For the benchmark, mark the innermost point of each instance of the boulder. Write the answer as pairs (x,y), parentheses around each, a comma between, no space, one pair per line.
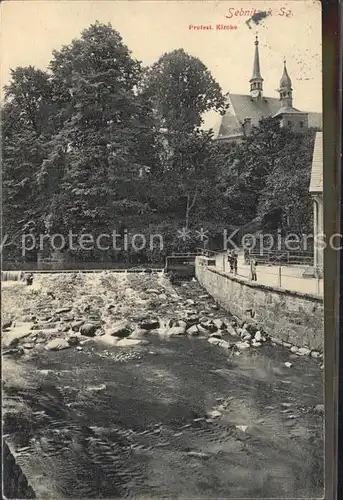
(190,302)
(151,324)
(254,343)
(192,319)
(77,325)
(107,340)
(198,454)
(217,335)
(181,323)
(288,364)
(258,336)
(201,329)
(245,335)
(28,346)
(209,326)
(315,354)
(44,326)
(138,333)
(89,329)
(242,345)
(6,324)
(213,414)
(225,344)
(130,342)
(303,351)
(231,331)
(214,340)
(214,307)
(193,330)
(57,345)
(13,336)
(175,331)
(287,344)
(218,323)
(73,340)
(63,310)
(122,329)
(294,349)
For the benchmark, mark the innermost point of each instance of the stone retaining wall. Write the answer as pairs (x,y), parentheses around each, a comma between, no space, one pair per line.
(15,484)
(293,317)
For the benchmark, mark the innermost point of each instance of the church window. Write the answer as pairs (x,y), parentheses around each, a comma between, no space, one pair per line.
(301,124)
(289,123)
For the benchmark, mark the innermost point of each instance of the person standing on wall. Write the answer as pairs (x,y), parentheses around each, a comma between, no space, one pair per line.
(253,264)
(234,259)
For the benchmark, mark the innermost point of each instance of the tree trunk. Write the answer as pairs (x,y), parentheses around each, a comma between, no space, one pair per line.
(189,206)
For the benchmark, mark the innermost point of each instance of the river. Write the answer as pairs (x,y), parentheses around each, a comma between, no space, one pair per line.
(138,422)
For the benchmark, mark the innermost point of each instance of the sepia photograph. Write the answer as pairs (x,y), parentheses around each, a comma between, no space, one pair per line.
(162,248)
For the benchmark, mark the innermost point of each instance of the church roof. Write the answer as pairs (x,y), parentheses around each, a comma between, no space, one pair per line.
(288,110)
(316,183)
(285,79)
(242,106)
(256,72)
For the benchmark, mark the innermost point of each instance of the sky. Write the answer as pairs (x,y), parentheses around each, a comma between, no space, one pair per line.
(31,30)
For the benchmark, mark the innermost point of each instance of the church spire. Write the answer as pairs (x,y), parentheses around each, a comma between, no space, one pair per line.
(256,79)
(285,90)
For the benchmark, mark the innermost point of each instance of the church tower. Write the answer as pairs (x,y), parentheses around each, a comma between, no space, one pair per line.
(285,90)
(287,114)
(256,81)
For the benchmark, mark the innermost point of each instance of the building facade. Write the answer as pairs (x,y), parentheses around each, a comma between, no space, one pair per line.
(316,190)
(246,110)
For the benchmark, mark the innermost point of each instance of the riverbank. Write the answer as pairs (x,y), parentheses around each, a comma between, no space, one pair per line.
(174,416)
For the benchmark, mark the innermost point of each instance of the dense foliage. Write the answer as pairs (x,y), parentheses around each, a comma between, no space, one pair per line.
(99,143)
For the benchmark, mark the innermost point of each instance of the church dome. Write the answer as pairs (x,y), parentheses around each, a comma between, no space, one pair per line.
(285,79)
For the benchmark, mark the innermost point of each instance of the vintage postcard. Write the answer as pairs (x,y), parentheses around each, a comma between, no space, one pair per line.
(163,249)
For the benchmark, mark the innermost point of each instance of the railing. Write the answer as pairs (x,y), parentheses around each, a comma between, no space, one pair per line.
(285,257)
(278,274)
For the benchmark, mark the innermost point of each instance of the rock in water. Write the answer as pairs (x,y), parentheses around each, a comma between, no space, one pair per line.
(258,336)
(214,341)
(88,329)
(175,331)
(122,329)
(193,330)
(129,342)
(12,337)
(225,344)
(57,345)
(288,364)
(214,414)
(231,331)
(217,335)
(107,340)
(303,351)
(242,345)
(218,323)
(63,310)
(151,324)
(198,454)
(245,335)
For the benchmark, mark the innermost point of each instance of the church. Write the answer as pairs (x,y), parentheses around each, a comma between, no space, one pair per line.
(246,110)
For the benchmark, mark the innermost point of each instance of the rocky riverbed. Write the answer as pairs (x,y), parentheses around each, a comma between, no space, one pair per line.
(121,384)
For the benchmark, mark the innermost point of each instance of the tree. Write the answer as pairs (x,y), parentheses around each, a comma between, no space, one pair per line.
(268,177)
(26,128)
(105,140)
(182,89)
